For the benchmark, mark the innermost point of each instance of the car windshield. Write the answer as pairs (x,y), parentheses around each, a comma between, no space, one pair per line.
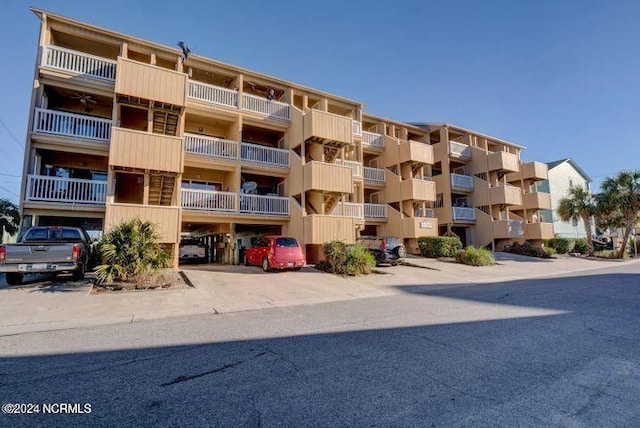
(286,242)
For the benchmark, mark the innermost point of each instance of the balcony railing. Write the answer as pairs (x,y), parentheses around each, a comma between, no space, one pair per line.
(459,150)
(427,212)
(267,205)
(208,200)
(264,155)
(508,228)
(70,190)
(375,210)
(374,174)
(350,210)
(71,125)
(213,94)
(271,108)
(372,139)
(461,181)
(356,127)
(211,146)
(78,62)
(356,167)
(464,213)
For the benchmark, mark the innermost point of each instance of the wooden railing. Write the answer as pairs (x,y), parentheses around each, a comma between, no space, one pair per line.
(82,63)
(350,210)
(374,174)
(264,204)
(211,146)
(71,125)
(356,167)
(375,210)
(264,155)
(427,212)
(356,127)
(372,139)
(271,108)
(71,190)
(208,200)
(213,94)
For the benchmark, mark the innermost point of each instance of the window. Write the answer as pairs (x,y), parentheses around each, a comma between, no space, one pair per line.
(286,242)
(570,183)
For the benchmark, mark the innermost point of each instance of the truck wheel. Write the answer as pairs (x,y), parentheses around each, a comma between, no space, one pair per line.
(78,274)
(14,278)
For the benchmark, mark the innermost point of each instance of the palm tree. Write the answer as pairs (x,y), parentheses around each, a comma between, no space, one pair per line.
(619,203)
(579,205)
(9,218)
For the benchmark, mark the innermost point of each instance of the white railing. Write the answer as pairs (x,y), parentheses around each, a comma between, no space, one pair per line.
(211,146)
(264,155)
(71,125)
(208,200)
(375,210)
(464,213)
(461,181)
(374,174)
(78,62)
(356,127)
(372,139)
(427,212)
(271,108)
(459,150)
(60,189)
(350,210)
(213,94)
(356,167)
(261,204)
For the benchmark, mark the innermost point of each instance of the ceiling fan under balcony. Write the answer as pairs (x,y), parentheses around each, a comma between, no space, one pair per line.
(84,99)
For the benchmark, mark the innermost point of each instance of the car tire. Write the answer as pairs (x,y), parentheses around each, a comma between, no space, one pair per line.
(78,274)
(14,278)
(400,252)
(297,268)
(265,265)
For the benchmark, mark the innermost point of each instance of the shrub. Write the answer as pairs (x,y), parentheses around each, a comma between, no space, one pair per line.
(606,254)
(335,256)
(580,246)
(359,261)
(550,251)
(475,257)
(131,249)
(439,246)
(352,260)
(561,245)
(528,249)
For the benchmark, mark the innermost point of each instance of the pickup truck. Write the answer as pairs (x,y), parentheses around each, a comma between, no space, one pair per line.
(47,249)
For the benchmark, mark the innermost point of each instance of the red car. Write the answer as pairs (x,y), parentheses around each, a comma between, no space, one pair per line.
(275,252)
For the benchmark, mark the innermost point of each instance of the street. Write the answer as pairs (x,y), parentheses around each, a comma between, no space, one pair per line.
(562,351)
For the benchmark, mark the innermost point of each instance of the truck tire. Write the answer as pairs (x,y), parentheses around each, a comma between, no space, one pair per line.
(78,274)
(14,278)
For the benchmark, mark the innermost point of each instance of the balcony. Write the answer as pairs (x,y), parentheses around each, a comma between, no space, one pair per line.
(459,151)
(323,126)
(374,175)
(356,167)
(417,227)
(150,82)
(462,182)
(71,125)
(413,151)
(166,219)
(375,211)
(264,107)
(505,195)
(137,149)
(264,205)
(503,161)
(535,171)
(213,94)
(418,190)
(372,140)
(537,201)
(504,229)
(539,230)
(356,128)
(327,177)
(210,146)
(463,214)
(320,229)
(264,155)
(66,190)
(349,209)
(209,200)
(78,63)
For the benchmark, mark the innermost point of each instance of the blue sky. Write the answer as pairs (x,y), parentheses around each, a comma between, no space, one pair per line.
(559,77)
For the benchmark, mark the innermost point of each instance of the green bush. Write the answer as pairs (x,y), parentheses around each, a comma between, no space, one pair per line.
(129,250)
(473,256)
(580,246)
(439,246)
(528,249)
(335,256)
(550,251)
(352,260)
(606,254)
(360,261)
(561,245)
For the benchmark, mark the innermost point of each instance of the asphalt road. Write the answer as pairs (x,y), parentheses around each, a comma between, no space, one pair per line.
(543,352)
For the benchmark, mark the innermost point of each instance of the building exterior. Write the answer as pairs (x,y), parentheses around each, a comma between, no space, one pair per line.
(564,174)
(121,127)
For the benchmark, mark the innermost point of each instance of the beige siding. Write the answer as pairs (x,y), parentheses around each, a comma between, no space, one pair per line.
(391,192)
(415,151)
(420,190)
(294,183)
(539,230)
(537,201)
(167,219)
(327,177)
(534,171)
(505,195)
(503,161)
(136,149)
(327,126)
(150,82)
(480,195)
(507,229)
(419,227)
(482,232)
(319,229)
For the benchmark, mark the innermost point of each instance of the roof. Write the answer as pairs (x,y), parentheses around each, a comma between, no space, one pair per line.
(575,166)
(469,131)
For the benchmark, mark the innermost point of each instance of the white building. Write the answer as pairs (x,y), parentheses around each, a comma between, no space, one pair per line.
(563,174)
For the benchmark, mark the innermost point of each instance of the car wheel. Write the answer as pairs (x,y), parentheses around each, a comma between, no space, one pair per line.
(401,252)
(78,274)
(14,278)
(297,268)
(265,265)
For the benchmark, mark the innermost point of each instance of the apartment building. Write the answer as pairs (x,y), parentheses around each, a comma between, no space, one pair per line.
(121,127)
